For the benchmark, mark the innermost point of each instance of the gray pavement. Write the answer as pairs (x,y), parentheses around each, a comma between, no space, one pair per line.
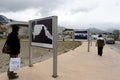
(77,64)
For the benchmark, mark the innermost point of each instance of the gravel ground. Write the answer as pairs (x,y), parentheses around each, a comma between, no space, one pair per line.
(39,54)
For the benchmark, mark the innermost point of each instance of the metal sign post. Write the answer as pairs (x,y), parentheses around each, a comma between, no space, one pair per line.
(88,40)
(54,47)
(30,53)
(73,38)
(91,38)
(73,35)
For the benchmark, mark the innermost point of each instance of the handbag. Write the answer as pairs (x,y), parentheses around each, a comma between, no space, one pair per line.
(14,64)
(6,49)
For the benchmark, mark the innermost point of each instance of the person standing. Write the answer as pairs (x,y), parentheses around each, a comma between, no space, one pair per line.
(100,44)
(14,43)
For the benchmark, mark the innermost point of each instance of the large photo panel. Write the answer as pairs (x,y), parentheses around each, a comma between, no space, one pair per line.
(81,34)
(41,31)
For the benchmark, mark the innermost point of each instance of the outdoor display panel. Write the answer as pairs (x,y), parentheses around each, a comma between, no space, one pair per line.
(41,32)
(81,34)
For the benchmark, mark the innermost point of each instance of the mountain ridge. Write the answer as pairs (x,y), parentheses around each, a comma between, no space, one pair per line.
(5,20)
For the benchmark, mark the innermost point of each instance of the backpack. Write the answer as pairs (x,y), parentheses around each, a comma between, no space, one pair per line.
(100,43)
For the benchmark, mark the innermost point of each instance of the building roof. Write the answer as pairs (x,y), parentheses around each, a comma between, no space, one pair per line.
(68,30)
(17,23)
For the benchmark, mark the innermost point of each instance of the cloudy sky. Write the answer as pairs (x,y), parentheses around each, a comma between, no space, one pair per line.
(71,13)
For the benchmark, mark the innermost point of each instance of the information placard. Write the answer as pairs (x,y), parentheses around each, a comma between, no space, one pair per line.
(42,32)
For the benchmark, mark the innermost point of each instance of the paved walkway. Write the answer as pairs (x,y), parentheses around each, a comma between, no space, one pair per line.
(76,64)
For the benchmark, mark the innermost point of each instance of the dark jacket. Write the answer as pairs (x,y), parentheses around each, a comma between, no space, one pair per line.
(100,42)
(14,43)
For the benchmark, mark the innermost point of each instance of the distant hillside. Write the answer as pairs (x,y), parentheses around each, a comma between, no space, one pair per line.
(97,31)
(107,27)
(5,20)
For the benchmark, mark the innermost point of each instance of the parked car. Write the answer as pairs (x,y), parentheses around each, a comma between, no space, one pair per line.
(110,41)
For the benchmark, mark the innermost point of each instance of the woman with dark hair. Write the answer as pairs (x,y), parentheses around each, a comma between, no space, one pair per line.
(100,44)
(14,43)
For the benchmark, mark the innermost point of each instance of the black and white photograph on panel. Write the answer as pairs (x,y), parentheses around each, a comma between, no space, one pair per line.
(41,33)
(80,34)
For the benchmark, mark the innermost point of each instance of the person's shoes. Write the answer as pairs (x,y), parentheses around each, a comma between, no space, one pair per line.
(13,73)
(100,54)
(13,77)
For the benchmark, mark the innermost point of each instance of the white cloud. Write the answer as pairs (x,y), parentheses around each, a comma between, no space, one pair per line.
(70,13)
(24,15)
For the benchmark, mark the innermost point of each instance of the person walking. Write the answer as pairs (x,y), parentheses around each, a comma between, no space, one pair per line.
(14,43)
(100,44)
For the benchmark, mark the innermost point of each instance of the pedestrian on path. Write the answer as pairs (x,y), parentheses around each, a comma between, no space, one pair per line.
(100,44)
(14,43)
